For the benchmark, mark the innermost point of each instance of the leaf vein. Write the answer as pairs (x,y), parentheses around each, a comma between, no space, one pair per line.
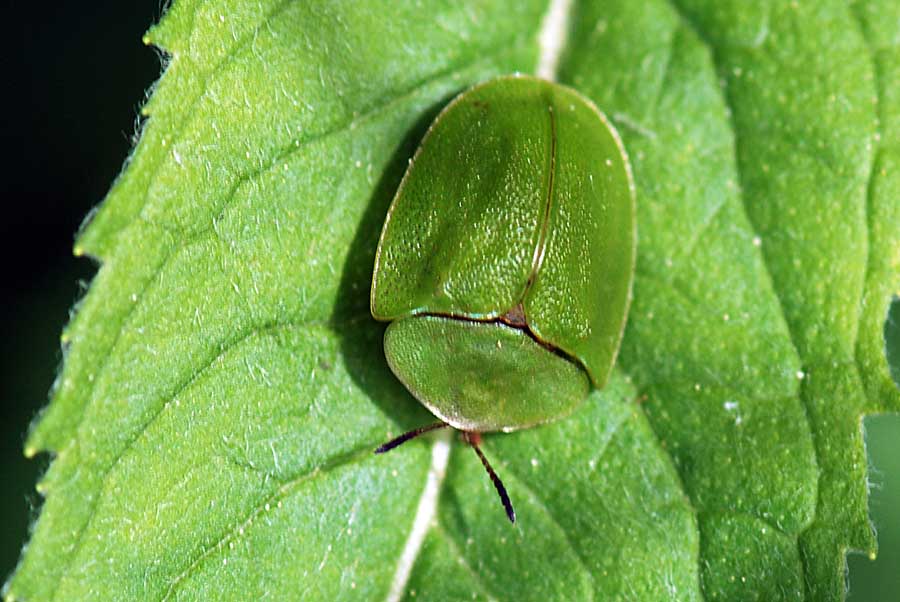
(283,492)
(178,389)
(461,559)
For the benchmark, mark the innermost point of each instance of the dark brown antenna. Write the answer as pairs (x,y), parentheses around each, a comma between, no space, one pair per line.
(409,435)
(474,439)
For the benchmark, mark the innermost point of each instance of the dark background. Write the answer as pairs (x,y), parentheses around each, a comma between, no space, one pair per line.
(79,75)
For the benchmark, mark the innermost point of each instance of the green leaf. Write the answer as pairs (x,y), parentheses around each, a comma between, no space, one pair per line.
(224,384)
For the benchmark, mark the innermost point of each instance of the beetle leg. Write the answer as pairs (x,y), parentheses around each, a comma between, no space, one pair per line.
(474,439)
(409,435)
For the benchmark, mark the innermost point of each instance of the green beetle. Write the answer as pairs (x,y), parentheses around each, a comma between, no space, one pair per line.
(506,260)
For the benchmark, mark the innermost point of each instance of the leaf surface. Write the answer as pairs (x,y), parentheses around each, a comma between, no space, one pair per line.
(224,384)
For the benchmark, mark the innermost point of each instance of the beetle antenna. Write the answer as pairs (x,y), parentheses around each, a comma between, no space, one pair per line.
(498,484)
(410,435)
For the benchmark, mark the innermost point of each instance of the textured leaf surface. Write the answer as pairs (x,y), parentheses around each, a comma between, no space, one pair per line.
(224,384)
